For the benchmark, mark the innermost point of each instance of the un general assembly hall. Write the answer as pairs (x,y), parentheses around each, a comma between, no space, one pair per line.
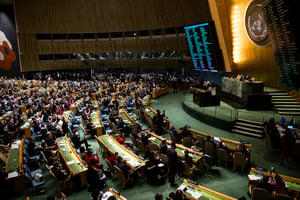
(149,100)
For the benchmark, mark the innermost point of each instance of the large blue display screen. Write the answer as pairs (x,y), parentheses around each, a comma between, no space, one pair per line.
(204,47)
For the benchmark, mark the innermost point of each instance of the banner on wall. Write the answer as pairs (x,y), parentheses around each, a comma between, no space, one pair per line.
(9,58)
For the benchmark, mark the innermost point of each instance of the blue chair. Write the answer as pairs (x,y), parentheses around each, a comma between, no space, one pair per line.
(33,182)
(26,154)
(32,172)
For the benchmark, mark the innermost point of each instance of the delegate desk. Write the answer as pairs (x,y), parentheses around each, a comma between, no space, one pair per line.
(127,119)
(72,160)
(97,123)
(107,143)
(198,192)
(159,92)
(149,112)
(231,144)
(196,156)
(14,165)
(292,184)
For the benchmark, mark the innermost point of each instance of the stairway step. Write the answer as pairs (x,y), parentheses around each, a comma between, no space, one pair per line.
(278,93)
(247,133)
(281,96)
(287,103)
(249,121)
(289,113)
(247,129)
(288,109)
(286,99)
(249,125)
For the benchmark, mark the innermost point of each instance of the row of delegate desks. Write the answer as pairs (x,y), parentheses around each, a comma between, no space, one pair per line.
(107,143)
(72,160)
(196,156)
(159,92)
(231,144)
(292,184)
(14,166)
(198,192)
(97,123)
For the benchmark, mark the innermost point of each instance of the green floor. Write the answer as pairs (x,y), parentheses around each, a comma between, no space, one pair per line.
(227,181)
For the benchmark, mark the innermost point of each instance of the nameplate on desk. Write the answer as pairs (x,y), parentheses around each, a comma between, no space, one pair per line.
(12,174)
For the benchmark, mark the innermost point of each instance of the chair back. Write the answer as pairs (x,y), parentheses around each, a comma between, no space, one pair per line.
(209,148)
(110,167)
(239,159)
(222,155)
(164,159)
(121,176)
(187,142)
(141,146)
(283,197)
(259,194)
(187,170)
(200,139)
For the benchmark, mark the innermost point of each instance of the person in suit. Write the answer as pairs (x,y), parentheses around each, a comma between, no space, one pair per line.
(172,164)
(163,147)
(187,158)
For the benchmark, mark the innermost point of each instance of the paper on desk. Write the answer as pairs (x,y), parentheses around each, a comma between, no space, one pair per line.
(106,195)
(254,178)
(194,194)
(12,174)
(70,162)
(181,187)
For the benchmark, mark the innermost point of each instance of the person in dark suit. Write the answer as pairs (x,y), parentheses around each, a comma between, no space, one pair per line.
(160,121)
(121,164)
(75,137)
(172,163)
(163,147)
(187,158)
(59,172)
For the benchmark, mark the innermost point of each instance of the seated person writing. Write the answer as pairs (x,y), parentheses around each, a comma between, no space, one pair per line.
(197,147)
